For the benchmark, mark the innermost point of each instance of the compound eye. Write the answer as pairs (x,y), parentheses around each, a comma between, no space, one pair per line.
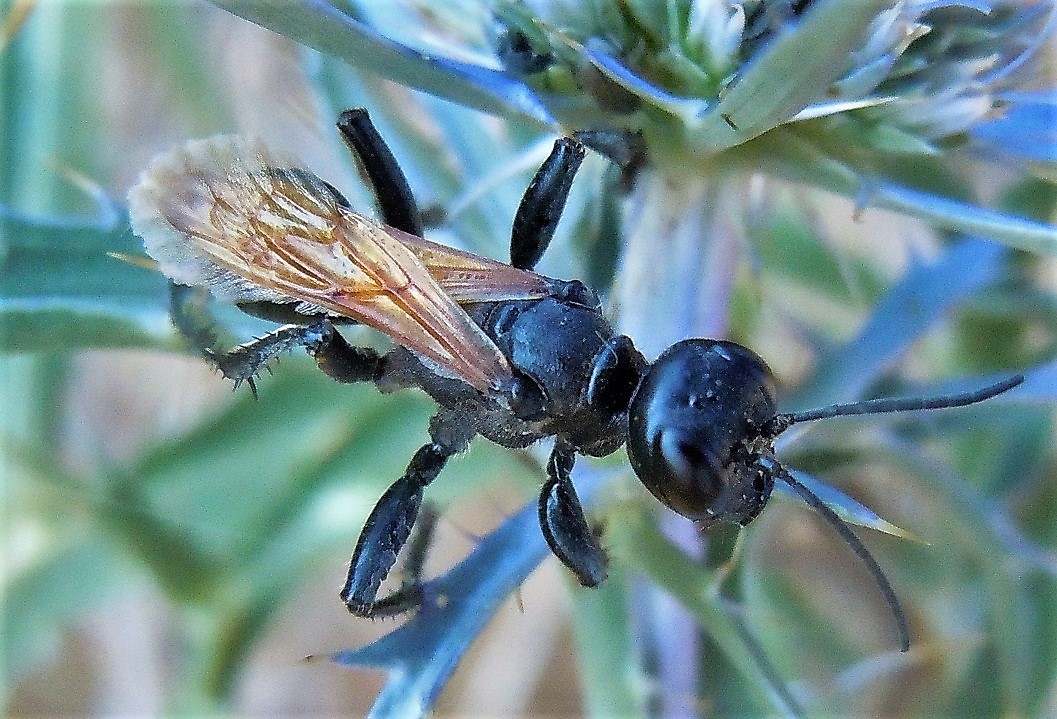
(688,461)
(693,478)
(684,475)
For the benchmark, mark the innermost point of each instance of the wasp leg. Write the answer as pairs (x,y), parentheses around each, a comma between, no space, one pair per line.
(391,521)
(189,311)
(336,357)
(542,204)
(341,361)
(395,199)
(626,150)
(190,314)
(244,363)
(419,543)
(562,520)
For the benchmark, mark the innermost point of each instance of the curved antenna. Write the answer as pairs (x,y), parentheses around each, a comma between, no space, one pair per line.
(785,420)
(772,465)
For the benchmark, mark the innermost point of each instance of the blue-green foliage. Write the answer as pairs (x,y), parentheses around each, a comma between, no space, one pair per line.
(227,517)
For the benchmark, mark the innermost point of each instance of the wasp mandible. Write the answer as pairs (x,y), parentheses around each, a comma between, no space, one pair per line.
(506,353)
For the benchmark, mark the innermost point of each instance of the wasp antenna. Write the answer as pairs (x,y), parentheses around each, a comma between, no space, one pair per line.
(904,404)
(849,537)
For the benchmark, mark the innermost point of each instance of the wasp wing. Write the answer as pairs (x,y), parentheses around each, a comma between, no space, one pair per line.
(252,225)
(467,277)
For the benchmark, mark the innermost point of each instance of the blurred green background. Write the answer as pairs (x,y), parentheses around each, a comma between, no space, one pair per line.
(171,547)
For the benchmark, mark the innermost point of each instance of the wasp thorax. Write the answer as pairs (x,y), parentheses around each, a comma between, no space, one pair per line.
(695,430)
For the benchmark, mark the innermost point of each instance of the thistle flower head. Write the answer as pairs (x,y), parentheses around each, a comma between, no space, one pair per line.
(947,67)
(866,98)
(930,69)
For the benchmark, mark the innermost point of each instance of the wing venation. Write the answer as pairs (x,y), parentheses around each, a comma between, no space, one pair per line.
(253,225)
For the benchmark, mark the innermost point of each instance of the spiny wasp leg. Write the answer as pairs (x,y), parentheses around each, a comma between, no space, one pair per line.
(337,358)
(541,206)
(395,199)
(562,519)
(343,362)
(389,527)
(244,362)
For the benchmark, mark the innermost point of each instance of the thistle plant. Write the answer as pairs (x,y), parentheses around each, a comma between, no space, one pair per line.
(733,137)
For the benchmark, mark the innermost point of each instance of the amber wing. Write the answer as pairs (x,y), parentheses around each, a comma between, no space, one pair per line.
(251,225)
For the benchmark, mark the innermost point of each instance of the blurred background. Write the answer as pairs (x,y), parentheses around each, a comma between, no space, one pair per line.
(173,547)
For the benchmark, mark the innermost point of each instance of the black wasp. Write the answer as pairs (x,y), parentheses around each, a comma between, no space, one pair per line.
(507,354)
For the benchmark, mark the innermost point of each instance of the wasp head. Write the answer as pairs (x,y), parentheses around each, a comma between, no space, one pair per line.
(697,428)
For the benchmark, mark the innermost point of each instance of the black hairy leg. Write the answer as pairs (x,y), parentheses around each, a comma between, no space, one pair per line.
(562,519)
(391,522)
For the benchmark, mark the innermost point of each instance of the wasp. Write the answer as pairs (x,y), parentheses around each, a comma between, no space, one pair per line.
(506,353)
